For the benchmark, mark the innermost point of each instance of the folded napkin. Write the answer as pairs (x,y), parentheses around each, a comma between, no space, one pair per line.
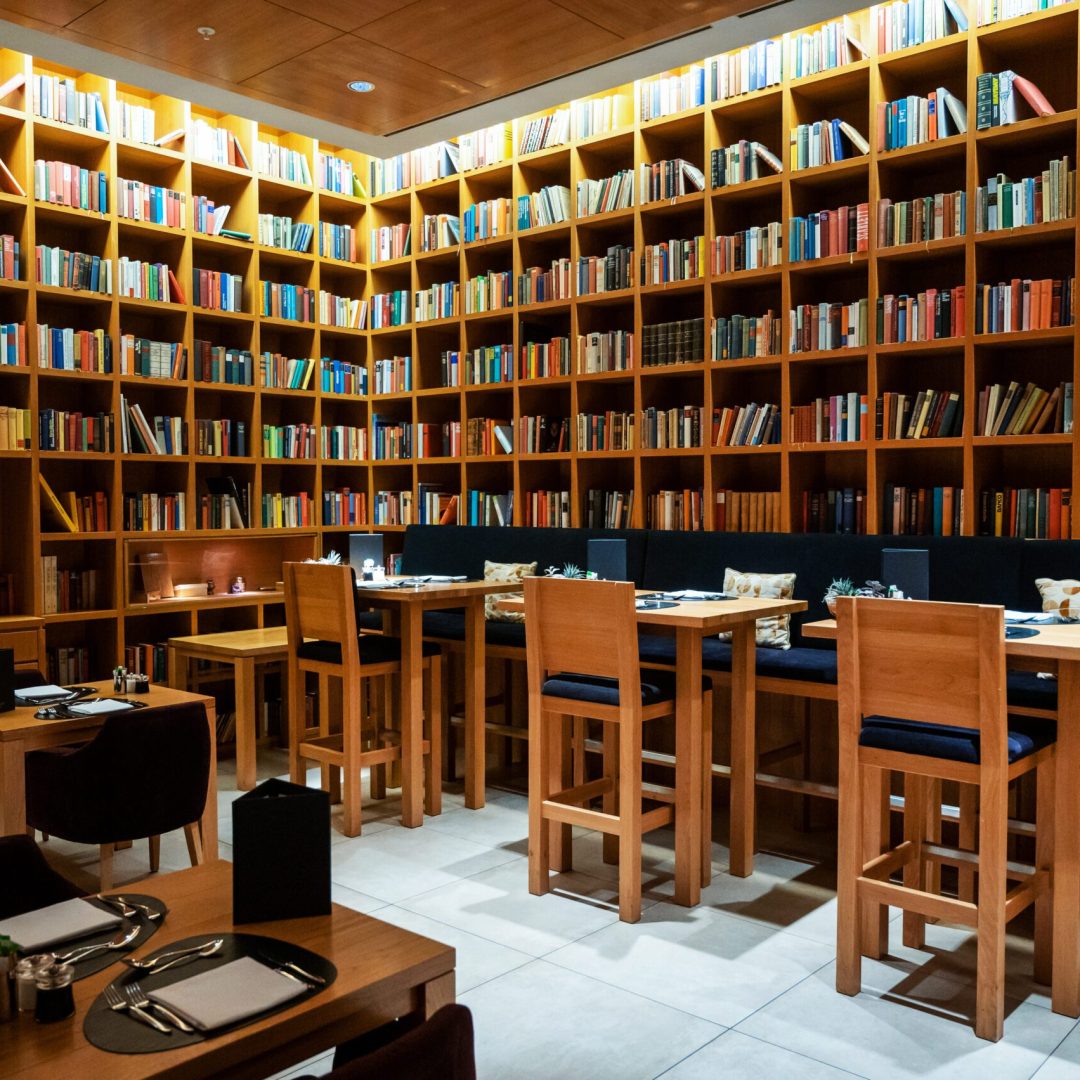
(228,994)
(50,925)
(1015,618)
(32,694)
(691,594)
(99,707)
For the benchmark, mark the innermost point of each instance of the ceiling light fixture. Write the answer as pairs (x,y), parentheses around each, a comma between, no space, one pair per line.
(205,31)
(361,86)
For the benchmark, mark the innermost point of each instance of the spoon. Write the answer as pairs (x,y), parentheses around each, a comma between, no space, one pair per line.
(148,912)
(155,964)
(122,941)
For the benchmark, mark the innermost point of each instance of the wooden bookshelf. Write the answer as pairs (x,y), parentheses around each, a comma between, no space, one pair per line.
(1044,45)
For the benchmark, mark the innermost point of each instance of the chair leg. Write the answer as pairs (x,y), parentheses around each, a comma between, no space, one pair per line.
(1045,779)
(351,736)
(539,841)
(874,932)
(990,963)
(105,858)
(380,722)
(849,864)
(297,709)
(968,824)
(433,720)
(610,841)
(194,843)
(915,802)
(559,779)
(630,821)
(450,747)
(154,843)
(706,787)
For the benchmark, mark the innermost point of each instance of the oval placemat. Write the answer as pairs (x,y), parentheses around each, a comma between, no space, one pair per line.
(100,961)
(1013,633)
(119,1033)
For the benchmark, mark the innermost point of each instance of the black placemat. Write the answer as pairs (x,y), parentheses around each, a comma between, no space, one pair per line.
(1014,632)
(120,1033)
(101,960)
(654,605)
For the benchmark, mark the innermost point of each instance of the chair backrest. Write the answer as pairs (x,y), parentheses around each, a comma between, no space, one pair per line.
(924,661)
(146,772)
(320,603)
(584,627)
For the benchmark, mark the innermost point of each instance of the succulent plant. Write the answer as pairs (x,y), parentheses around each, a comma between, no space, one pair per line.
(840,587)
(551,571)
(572,570)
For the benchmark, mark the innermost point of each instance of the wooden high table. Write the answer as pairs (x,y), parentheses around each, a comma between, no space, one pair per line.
(20,733)
(383,972)
(1055,648)
(407,607)
(244,650)
(690,621)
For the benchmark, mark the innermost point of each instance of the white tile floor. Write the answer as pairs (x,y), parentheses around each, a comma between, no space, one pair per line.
(741,986)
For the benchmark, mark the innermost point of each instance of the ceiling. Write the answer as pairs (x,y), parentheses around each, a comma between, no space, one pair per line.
(427,58)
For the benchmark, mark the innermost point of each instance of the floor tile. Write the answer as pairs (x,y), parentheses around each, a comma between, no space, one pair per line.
(395,863)
(541,1021)
(905,1024)
(497,905)
(712,966)
(358,901)
(502,823)
(1064,1062)
(735,1056)
(478,959)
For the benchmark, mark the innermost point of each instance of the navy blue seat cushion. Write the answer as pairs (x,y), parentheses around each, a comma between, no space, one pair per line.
(1025,688)
(451,626)
(369,620)
(374,649)
(810,665)
(656,686)
(1026,736)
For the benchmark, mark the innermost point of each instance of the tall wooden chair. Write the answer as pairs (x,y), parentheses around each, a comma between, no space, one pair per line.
(320,616)
(581,641)
(922,692)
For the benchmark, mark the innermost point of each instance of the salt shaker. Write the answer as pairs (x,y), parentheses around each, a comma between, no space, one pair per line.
(55,999)
(26,972)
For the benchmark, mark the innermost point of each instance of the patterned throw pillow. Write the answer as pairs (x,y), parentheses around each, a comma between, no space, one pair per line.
(775,631)
(1062,597)
(505,571)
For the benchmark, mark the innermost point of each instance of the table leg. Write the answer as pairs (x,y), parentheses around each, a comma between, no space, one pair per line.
(412,705)
(1066,969)
(12,787)
(208,826)
(177,669)
(688,751)
(244,668)
(475,737)
(743,749)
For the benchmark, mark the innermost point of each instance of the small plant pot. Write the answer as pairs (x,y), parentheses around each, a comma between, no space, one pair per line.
(830,603)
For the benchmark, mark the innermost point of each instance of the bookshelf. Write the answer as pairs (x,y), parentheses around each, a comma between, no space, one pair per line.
(550,482)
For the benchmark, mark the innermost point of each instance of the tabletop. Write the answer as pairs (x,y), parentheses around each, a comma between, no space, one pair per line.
(269,639)
(378,965)
(21,722)
(436,590)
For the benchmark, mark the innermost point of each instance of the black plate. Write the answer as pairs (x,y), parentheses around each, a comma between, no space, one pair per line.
(1014,632)
(100,961)
(122,1034)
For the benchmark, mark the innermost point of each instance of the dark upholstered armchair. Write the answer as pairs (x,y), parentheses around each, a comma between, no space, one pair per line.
(27,881)
(145,773)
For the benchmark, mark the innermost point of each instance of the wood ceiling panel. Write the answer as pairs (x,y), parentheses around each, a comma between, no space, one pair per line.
(629,17)
(403,86)
(54,12)
(497,41)
(344,14)
(251,36)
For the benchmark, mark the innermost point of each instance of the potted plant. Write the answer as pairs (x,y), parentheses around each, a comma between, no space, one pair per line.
(838,587)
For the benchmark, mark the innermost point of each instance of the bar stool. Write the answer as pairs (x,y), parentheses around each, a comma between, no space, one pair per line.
(922,692)
(581,642)
(320,616)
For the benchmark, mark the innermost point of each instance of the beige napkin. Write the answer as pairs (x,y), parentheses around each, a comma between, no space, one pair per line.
(50,925)
(228,994)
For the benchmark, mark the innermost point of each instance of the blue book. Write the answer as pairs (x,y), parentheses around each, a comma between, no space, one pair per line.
(957,12)
(939,502)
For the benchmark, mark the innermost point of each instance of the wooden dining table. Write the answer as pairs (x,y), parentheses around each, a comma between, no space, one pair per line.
(690,621)
(406,607)
(1055,649)
(21,733)
(383,972)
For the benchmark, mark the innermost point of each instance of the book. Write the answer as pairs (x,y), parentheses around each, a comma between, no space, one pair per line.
(240,152)
(1032,95)
(12,85)
(8,181)
(55,507)
(175,290)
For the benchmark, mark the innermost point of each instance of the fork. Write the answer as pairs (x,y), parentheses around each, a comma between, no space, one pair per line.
(138,1000)
(118,1003)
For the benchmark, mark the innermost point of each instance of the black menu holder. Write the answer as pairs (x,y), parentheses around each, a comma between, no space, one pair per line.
(7,680)
(607,559)
(281,853)
(908,569)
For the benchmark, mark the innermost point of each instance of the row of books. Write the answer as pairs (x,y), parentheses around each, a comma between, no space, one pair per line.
(998,95)
(1023,304)
(159,435)
(1051,196)
(827,326)
(609,509)
(440,231)
(674,510)
(391,242)
(739,337)
(669,179)
(672,260)
(344,507)
(552,129)
(917,221)
(16,428)
(992,11)
(834,510)
(489,508)
(544,359)
(219,145)
(914,120)
(280,511)
(68,664)
(537,286)
(289,441)
(342,442)
(390,309)
(139,201)
(64,184)
(285,301)
(487,219)
(337,242)
(138,123)
(825,142)
(750,249)
(439,301)
(921,511)
(343,377)
(1040,513)
(548,206)
(418,166)
(741,162)
(489,292)
(830,46)
(148,659)
(609,272)
(155,512)
(60,268)
(209,218)
(75,432)
(53,97)
(282,232)
(72,512)
(10,258)
(828,232)
(927,414)
(337,175)
(221,438)
(925,316)
(904,23)
(834,419)
(546,509)
(604,351)
(67,590)
(679,342)
(393,375)
(602,196)
(754,67)
(486,146)
(671,429)
(147,281)
(609,430)
(216,290)
(392,440)
(669,94)
(67,349)
(746,511)
(344,311)
(222,364)
(273,159)
(285,373)
(746,425)
(1019,409)
(543,434)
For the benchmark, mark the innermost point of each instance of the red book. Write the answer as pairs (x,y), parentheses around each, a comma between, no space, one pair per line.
(1033,96)
(175,290)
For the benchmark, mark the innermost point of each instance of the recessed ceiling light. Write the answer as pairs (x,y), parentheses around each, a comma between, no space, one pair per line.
(361,86)
(205,31)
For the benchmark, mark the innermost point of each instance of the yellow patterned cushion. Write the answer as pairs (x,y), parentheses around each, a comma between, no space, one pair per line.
(775,631)
(505,571)
(1062,597)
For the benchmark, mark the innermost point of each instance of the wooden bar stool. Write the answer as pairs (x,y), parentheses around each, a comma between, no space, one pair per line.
(581,640)
(320,615)
(922,692)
